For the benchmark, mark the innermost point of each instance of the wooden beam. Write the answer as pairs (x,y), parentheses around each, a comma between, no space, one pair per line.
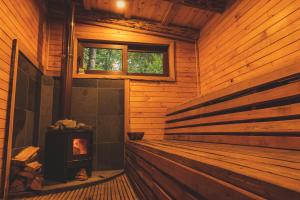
(211,5)
(110,20)
(171,12)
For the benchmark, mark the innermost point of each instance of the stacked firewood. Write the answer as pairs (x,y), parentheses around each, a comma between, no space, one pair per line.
(26,171)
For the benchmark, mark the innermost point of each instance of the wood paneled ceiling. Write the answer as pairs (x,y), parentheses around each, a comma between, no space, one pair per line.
(176,19)
(187,13)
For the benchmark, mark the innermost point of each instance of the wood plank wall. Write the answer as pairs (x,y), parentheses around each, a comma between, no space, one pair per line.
(149,101)
(252,38)
(21,20)
(55,47)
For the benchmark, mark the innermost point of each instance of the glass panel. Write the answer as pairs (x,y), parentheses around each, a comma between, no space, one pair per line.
(145,62)
(79,146)
(102,59)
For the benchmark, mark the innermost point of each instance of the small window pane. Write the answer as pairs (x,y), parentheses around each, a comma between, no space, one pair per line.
(102,59)
(145,62)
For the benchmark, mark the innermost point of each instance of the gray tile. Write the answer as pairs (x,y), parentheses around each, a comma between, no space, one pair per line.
(110,156)
(95,157)
(47,80)
(90,83)
(22,62)
(19,128)
(111,101)
(44,122)
(22,90)
(110,128)
(33,95)
(56,82)
(46,102)
(29,68)
(56,104)
(46,107)
(84,102)
(108,83)
(30,123)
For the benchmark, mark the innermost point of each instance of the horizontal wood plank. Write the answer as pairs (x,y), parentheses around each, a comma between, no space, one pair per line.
(278,74)
(280,111)
(278,93)
(212,161)
(287,126)
(198,182)
(281,142)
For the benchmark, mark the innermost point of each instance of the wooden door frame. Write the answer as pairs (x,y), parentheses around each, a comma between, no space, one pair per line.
(7,150)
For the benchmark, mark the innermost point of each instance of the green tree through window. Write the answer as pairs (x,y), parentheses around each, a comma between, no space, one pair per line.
(145,62)
(102,59)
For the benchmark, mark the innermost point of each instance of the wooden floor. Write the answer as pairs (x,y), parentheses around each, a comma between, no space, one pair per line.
(116,189)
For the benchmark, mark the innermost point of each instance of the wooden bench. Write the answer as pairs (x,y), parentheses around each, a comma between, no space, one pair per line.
(242,142)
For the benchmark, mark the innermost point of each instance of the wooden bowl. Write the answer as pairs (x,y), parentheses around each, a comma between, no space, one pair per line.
(135,135)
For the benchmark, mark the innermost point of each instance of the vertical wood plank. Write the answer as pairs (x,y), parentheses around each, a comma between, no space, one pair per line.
(10,115)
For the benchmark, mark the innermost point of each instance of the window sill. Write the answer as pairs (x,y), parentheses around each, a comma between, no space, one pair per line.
(131,77)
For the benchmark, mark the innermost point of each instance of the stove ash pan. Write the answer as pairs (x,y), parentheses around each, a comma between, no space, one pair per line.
(67,152)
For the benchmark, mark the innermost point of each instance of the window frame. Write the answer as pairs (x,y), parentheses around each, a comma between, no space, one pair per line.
(124,49)
(170,44)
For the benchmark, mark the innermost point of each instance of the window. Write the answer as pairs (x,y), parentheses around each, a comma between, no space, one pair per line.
(149,60)
(145,62)
(101,58)
(133,60)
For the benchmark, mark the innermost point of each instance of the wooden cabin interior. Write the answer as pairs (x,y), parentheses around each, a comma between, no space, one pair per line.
(150,99)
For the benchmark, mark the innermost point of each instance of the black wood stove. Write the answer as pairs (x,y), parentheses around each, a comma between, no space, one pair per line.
(67,152)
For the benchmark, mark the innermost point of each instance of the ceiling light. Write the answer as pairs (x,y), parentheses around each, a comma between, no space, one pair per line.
(121,4)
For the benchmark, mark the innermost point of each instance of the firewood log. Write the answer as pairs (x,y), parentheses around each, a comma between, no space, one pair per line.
(17,185)
(36,183)
(27,175)
(25,156)
(33,166)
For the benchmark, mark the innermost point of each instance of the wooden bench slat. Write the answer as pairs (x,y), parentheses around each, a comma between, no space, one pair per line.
(159,193)
(273,76)
(273,176)
(264,165)
(281,142)
(143,175)
(208,186)
(274,154)
(275,186)
(231,154)
(280,111)
(286,126)
(284,91)
(141,187)
(167,183)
